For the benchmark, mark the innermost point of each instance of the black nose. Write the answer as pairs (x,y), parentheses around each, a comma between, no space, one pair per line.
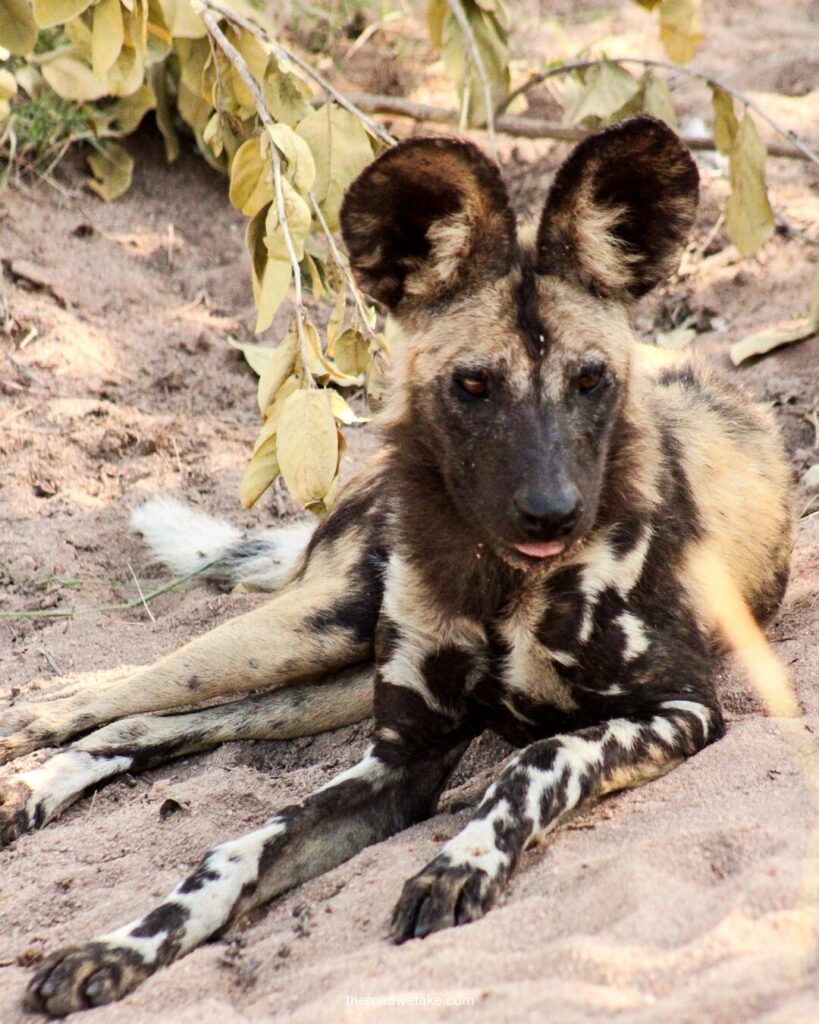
(550,514)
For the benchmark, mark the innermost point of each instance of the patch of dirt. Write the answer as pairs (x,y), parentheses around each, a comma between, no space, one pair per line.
(680,901)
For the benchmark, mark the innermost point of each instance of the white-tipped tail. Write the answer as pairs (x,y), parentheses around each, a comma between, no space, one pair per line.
(185,540)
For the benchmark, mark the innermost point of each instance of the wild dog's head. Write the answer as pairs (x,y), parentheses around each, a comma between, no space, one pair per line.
(517,350)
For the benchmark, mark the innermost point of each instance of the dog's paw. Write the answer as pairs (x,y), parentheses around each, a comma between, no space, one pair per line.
(82,977)
(17,815)
(441,896)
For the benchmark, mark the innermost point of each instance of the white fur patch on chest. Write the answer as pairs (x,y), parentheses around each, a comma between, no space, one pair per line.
(529,668)
(603,569)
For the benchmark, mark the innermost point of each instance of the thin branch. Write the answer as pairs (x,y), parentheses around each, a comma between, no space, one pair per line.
(459,14)
(247,77)
(283,53)
(342,264)
(530,127)
(807,151)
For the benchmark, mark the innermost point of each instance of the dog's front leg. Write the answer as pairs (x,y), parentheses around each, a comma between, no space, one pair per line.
(363,805)
(537,790)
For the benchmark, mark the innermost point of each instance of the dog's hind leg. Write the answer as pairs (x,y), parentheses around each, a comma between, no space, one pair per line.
(324,620)
(33,798)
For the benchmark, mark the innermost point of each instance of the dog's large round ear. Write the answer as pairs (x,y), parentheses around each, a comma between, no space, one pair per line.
(428,219)
(620,208)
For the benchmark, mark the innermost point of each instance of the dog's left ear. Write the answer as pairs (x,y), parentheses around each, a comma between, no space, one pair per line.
(619,209)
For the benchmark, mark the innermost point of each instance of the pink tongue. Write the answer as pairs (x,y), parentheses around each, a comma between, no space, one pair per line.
(543,549)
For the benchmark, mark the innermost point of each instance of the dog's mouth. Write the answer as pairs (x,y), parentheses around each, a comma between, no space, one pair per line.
(543,549)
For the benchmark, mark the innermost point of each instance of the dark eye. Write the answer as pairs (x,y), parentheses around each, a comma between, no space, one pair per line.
(472,384)
(590,378)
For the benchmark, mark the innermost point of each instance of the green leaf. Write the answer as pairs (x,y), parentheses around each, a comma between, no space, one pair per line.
(607,88)
(113,169)
(748,215)
(18,29)
(725,120)
(48,13)
(341,150)
(680,29)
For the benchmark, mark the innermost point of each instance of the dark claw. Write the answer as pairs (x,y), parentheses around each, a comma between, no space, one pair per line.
(80,977)
(14,817)
(442,896)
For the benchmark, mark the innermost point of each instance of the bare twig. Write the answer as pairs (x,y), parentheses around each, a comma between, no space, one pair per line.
(238,62)
(342,264)
(65,613)
(283,53)
(459,14)
(530,127)
(808,153)
(141,595)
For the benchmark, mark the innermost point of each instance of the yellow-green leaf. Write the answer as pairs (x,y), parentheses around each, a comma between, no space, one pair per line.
(194,109)
(127,73)
(182,21)
(298,217)
(260,472)
(725,120)
(352,353)
(656,99)
(680,29)
(18,29)
(341,150)
(748,214)
(343,412)
(112,169)
(48,13)
(606,89)
(336,321)
(761,342)
(307,442)
(301,168)
(8,84)
(72,79)
(278,368)
(271,278)
(158,77)
(251,178)
(489,31)
(286,96)
(106,35)
(125,115)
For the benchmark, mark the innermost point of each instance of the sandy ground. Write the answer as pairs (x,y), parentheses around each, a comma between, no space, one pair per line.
(680,902)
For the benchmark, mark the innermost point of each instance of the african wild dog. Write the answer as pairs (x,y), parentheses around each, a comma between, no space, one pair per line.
(522,555)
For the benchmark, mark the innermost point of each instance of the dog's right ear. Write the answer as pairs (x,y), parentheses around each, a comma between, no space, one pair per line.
(428,220)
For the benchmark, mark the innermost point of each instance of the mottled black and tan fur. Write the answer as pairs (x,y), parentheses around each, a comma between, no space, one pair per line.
(524,555)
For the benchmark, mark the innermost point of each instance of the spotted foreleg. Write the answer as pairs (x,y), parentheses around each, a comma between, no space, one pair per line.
(34,798)
(539,789)
(363,805)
